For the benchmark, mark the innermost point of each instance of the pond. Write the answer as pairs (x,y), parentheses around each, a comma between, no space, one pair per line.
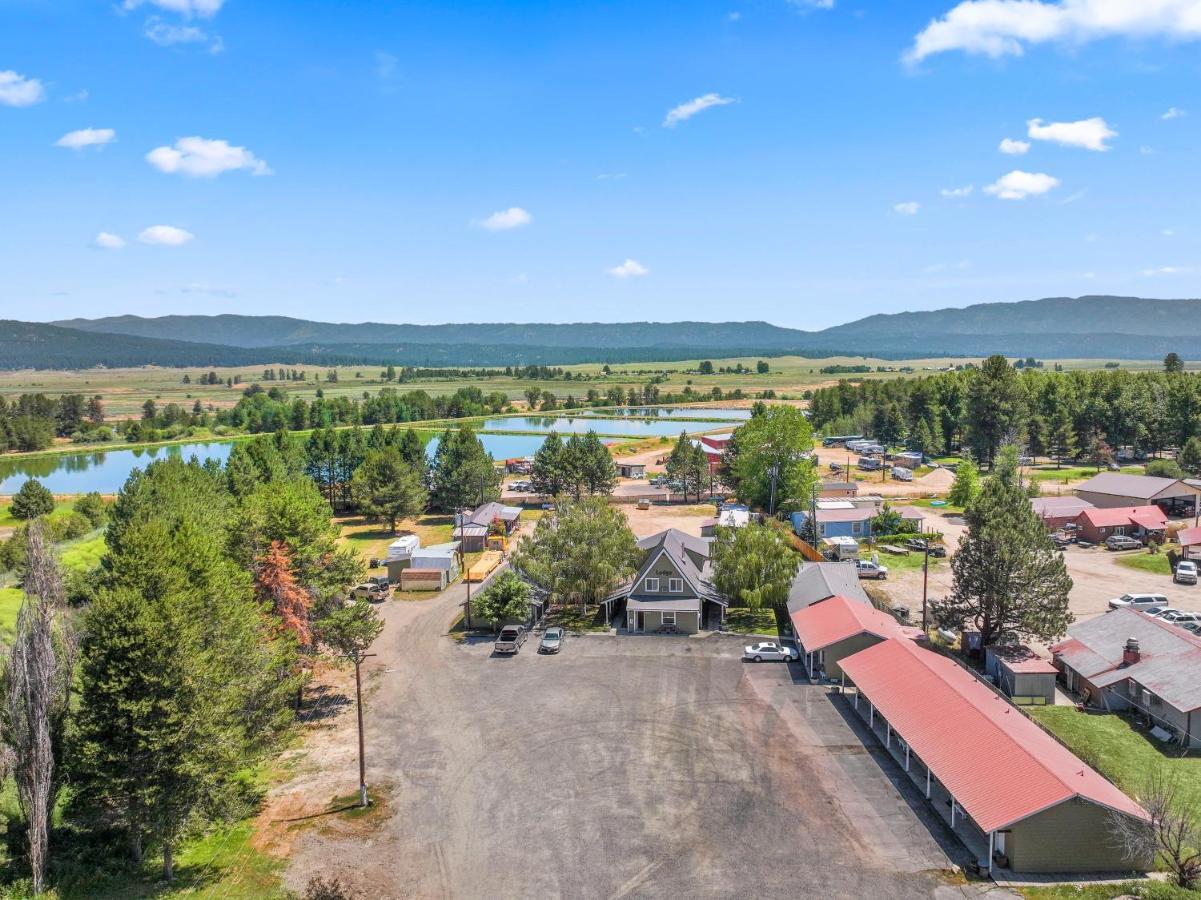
(106,471)
(581,424)
(674,412)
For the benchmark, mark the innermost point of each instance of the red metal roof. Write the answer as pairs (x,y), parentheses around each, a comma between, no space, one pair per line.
(999,765)
(826,623)
(1107,517)
(1189,536)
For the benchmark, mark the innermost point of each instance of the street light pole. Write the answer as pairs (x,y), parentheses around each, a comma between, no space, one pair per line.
(357,659)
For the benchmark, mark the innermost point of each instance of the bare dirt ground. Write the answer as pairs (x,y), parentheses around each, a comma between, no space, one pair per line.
(625,766)
(645,522)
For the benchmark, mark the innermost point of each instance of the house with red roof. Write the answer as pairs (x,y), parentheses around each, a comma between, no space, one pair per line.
(1008,785)
(827,632)
(1141,522)
(1129,660)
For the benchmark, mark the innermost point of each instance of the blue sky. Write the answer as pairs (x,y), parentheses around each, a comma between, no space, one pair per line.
(487,161)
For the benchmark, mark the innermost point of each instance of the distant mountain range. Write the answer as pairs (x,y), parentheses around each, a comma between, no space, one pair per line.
(1059,327)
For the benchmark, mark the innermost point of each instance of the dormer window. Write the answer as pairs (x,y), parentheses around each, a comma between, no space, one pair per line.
(651,585)
(675,585)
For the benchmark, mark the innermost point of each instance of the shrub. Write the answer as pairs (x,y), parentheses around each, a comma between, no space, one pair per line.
(69,527)
(93,508)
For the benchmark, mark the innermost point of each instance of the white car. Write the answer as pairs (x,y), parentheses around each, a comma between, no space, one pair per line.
(1186,572)
(770,651)
(1151,603)
(1177,617)
(869,569)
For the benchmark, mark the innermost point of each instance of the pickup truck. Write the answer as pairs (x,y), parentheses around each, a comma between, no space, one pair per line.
(510,639)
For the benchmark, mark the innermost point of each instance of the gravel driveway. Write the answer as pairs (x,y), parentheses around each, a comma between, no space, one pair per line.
(625,766)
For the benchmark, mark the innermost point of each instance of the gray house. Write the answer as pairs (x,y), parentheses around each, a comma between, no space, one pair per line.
(1127,660)
(1113,489)
(818,581)
(672,591)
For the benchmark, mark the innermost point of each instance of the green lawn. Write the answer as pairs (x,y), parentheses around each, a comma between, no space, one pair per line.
(10,603)
(7,520)
(1121,753)
(84,554)
(946,507)
(913,560)
(572,619)
(1155,563)
(743,620)
(1073,473)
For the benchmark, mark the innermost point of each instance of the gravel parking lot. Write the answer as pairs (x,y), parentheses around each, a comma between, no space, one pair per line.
(625,766)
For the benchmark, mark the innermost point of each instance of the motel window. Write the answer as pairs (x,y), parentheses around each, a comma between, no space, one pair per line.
(669,618)
(856,527)
(675,585)
(651,585)
(821,529)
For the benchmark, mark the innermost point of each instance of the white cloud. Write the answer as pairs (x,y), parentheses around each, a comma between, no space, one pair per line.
(957,193)
(733,17)
(631,268)
(204,9)
(1019,185)
(1167,232)
(506,219)
(1006,27)
(86,137)
(17,90)
(200,157)
(167,34)
(811,4)
(1146,150)
(1173,113)
(106,241)
(1168,270)
(165,236)
(908,208)
(1012,147)
(686,111)
(1091,134)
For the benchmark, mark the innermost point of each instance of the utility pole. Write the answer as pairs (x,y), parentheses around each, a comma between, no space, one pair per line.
(925,585)
(357,658)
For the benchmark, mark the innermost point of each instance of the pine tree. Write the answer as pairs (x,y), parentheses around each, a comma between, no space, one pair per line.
(1008,576)
(384,487)
(463,473)
(546,474)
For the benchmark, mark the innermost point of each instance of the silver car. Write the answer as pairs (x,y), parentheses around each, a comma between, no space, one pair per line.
(770,650)
(552,640)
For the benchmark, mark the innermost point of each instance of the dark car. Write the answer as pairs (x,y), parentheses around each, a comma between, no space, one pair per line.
(920,545)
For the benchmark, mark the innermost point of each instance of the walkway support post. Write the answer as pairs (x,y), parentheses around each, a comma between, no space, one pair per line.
(927,782)
(992,843)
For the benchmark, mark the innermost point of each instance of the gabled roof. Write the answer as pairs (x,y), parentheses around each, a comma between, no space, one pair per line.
(1150,517)
(850,514)
(999,765)
(1058,507)
(818,581)
(1142,486)
(690,556)
(834,620)
(486,514)
(1170,658)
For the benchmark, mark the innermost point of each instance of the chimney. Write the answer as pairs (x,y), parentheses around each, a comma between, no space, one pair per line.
(1130,653)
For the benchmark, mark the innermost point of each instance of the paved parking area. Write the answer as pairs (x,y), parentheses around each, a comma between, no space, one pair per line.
(625,766)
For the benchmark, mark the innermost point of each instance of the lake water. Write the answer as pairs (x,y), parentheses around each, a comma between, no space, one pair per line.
(106,472)
(582,424)
(674,412)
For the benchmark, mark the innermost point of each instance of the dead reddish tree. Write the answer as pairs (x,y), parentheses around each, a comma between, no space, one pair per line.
(275,584)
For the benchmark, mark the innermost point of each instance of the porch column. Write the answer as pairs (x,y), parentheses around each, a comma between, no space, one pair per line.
(906,757)
(871,720)
(927,782)
(887,735)
(952,812)
(843,688)
(992,843)
(856,699)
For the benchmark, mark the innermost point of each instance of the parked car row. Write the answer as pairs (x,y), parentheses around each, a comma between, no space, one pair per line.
(521,487)
(1189,621)
(511,638)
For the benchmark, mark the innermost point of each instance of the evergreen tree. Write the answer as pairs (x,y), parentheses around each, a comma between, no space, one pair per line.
(547,473)
(463,473)
(1190,456)
(1063,436)
(386,488)
(412,451)
(995,408)
(1008,576)
(31,501)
